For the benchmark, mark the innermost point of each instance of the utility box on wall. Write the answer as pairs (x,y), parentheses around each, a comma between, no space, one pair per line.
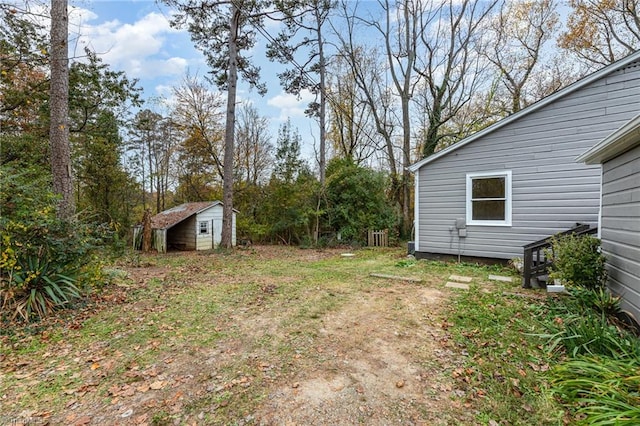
(461,226)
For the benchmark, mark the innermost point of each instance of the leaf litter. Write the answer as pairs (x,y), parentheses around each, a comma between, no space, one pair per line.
(381,355)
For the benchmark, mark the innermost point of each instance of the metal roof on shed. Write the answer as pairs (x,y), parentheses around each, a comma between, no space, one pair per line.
(177,214)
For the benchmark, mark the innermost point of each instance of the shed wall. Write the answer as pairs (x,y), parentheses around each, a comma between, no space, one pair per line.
(213,216)
(211,239)
(621,226)
(182,236)
(551,192)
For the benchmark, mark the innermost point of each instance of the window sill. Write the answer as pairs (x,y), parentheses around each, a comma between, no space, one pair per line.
(489,223)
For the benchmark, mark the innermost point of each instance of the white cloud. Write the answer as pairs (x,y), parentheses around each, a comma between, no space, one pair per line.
(290,105)
(138,48)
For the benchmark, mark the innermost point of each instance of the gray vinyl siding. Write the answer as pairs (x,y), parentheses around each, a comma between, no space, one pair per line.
(621,226)
(551,192)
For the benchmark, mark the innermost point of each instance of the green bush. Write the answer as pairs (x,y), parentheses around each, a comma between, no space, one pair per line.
(45,263)
(577,261)
(599,300)
(356,201)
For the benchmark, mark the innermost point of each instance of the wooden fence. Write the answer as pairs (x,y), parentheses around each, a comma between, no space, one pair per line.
(378,238)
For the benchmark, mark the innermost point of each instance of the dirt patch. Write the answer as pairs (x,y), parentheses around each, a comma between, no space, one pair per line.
(376,365)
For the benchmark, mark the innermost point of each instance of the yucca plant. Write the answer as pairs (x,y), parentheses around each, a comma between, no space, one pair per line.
(606,390)
(39,287)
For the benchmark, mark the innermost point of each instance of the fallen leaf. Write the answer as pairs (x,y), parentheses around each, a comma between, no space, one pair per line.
(158,384)
(95,366)
(128,391)
(141,419)
(400,384)
(82,421)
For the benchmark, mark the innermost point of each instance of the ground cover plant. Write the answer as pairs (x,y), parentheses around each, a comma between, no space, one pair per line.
(597,372)
(271,335)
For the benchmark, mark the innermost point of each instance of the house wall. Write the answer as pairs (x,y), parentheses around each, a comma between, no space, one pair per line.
(550,191)
(621,226)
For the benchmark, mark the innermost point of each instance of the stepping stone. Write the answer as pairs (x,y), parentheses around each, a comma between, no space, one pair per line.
(500,278)
(461,286)
(460,278)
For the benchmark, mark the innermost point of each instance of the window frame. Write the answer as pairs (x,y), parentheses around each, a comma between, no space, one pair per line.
(206,227)
(506,174)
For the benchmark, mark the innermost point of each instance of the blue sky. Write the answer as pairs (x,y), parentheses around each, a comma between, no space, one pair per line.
(135,37)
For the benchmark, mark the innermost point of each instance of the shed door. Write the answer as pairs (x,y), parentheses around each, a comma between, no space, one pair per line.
(216,230)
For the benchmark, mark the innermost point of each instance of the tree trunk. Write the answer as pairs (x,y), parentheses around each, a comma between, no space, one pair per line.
(146,232)
(232,81)
(323,130)
(323,106)
(59,103)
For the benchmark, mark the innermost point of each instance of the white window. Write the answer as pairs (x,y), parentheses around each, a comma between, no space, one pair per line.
(489,198)
(204,227)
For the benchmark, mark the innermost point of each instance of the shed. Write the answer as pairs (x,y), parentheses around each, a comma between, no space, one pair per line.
(517,181)
(190,226)
(619,154)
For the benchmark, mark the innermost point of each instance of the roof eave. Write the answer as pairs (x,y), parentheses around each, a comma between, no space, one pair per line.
(626,137)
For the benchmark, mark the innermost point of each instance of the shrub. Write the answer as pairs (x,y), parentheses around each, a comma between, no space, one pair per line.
(599,300)
(357,201)
(45,263)
(577,261)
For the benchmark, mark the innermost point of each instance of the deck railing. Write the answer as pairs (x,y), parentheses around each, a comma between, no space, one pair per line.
(536,263)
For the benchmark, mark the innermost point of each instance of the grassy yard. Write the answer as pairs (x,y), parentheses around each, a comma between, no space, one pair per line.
(280,335)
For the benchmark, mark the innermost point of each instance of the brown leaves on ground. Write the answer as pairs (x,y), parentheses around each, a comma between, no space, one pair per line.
(380,354)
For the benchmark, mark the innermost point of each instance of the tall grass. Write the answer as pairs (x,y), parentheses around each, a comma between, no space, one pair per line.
(605,390)
(598,375)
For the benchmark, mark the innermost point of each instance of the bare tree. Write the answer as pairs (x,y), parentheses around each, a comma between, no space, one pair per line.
(369,69)
(514,44)
(198,115)
(254,150)
(602,31)
(59,106)
(401,44)
(450,68)
(350,131)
